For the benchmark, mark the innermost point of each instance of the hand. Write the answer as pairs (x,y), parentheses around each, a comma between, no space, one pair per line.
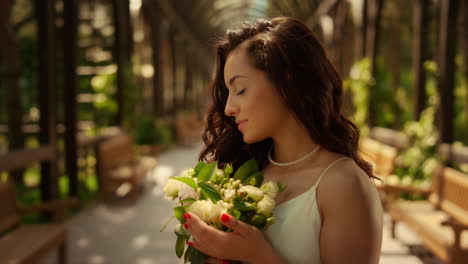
(244,243)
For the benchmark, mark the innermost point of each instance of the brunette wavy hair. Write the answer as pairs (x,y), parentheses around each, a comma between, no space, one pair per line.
(295,61)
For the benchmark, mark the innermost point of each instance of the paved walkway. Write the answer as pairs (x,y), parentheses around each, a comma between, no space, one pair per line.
(128,232)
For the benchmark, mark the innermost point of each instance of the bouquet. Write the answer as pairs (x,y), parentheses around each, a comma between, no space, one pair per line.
(208,192)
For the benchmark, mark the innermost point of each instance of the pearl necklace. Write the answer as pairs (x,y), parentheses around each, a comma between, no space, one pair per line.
(292,162)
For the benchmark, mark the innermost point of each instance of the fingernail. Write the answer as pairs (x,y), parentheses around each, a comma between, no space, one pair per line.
(187,216)
(186,226)
(190,243)
(225,217)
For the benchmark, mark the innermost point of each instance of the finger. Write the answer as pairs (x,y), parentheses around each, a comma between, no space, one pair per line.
(236,225)
(200,230)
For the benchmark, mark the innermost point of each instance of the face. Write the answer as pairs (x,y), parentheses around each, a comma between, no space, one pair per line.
(253,99)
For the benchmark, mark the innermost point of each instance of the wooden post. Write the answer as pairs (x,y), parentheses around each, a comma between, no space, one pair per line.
(70,92)
(394,57)
(364,24)
(9,53)
(372,43)
(188,84)
(420,20)
(173,48)
(446,74)
(47,94)
(465,58)
(123,53)
(153,19)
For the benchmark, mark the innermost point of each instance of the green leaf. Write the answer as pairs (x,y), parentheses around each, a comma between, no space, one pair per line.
(187,180)
(188,254)
(188,200)
(247,169)
(255,180)
(165,225)
(180,245)
(207,172)
(210,191)
(179,212)
(198,257)
(281,186)
(243,206)
(199,167)
(236,213)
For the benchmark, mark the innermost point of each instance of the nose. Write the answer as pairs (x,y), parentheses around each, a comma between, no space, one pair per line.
(231,108)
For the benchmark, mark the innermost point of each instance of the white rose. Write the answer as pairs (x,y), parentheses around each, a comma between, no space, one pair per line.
(270,188)
(206,210)
(252,191)
(188,173)
(266,205)
(172,188)
(186,192)
(229,194)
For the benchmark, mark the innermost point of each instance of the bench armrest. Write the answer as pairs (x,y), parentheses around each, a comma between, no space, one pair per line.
(455,224)
(57,207)
(398,189)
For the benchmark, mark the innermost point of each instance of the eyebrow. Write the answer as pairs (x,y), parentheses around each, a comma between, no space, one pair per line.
(233,78)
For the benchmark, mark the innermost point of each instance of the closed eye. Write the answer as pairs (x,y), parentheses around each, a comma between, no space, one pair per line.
(241,92)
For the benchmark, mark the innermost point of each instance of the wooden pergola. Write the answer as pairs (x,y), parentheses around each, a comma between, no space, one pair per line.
(178,36)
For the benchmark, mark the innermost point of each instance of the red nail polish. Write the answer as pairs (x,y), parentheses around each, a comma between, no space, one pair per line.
(187,216)
(186,226)
(225,217)
(190,243)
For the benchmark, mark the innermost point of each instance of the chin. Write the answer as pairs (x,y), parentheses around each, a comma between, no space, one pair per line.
(249,139)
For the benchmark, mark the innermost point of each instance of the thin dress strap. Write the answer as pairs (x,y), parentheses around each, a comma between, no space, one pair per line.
(329,166)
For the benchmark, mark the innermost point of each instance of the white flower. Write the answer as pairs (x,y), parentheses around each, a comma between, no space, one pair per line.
(206,210)
(266,205)
(270,188)
(188,173)
(175,188)
(229,194)
(219,172)
(179,230)
(187,192)
(172,188)
(252,191)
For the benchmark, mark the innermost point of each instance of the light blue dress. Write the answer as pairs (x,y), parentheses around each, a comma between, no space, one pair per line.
(296,231)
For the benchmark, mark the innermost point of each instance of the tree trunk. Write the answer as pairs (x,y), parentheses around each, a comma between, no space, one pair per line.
(420,20)
(188,102)
(447,48)
(9,52)
(173,48)
(465,61)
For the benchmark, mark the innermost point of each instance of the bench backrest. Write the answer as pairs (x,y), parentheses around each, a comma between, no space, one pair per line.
(8,209)
(380,155)
(115,151)
(453,192)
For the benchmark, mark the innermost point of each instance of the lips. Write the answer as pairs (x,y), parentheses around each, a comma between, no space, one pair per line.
(241,124)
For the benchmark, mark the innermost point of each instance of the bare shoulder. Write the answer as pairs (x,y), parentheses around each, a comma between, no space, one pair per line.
(346,185)
(351,214)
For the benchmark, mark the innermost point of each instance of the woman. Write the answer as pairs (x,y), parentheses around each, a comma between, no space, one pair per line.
(277,99)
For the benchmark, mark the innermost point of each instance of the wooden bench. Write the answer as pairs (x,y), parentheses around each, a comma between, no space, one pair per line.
(381,156)
(30,243)
(188,127)
(117,164)
(442,221)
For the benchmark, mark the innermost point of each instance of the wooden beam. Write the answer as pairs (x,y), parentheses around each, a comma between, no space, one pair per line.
(420,21)
(453,153)
(323,9)
(23,159)
(447,49)
(70,93)
(390,137)
(47,93)
(202,51)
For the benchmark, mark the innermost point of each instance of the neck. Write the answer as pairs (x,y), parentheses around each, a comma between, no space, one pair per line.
(292,142)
